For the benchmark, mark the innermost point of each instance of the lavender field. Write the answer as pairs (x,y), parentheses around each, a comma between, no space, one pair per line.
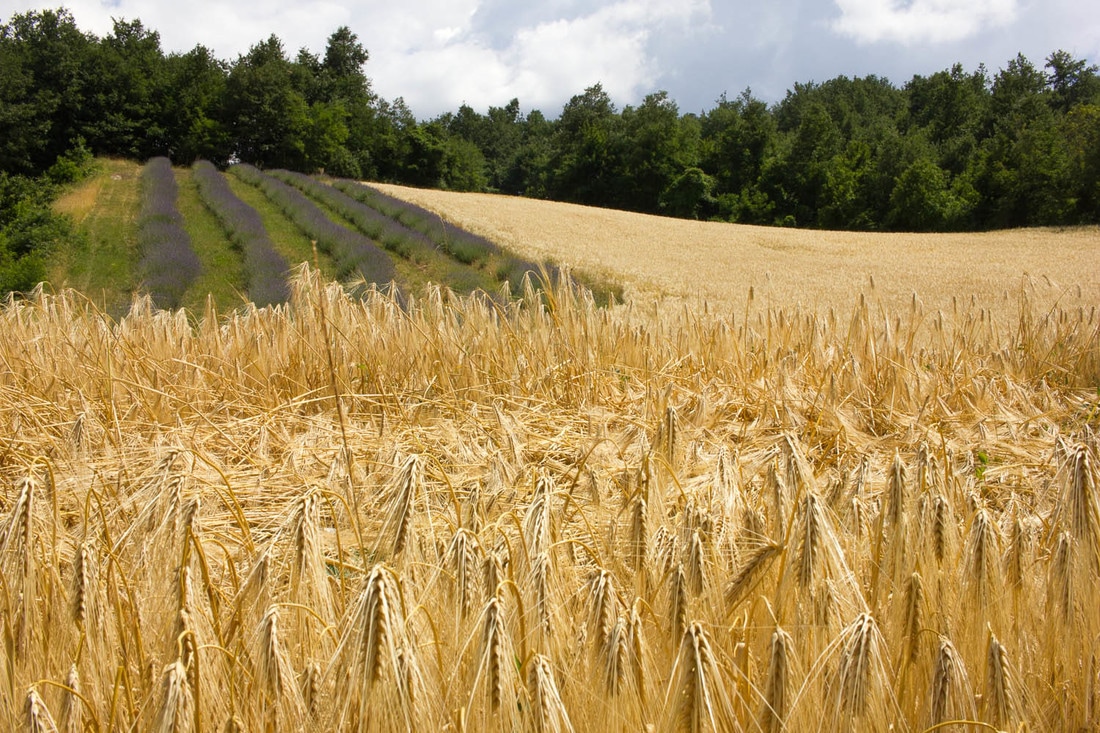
(201,237)
(267,269)
(355,254)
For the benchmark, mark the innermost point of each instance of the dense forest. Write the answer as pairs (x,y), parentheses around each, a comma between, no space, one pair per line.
(956,150)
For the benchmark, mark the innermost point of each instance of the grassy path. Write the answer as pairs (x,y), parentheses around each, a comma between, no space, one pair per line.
(106,208)
(223,276)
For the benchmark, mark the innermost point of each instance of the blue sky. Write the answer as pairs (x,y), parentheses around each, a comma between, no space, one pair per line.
(438,54)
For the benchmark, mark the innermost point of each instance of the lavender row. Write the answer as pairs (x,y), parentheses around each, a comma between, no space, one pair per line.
(265,268)
(168,263)
(397,238)
(351,251)
(467,248)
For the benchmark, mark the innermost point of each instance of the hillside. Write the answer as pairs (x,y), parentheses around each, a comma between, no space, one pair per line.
(243,232)
(366,512)
(720,262)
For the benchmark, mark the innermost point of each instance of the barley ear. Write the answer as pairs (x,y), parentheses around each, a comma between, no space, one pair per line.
(951,697)
(175,712)
(548,713)
(777,685)
(72,712)
(36,716)
(1000,699)
(751,574)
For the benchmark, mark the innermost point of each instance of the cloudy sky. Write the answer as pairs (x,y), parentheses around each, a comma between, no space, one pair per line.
(438,54)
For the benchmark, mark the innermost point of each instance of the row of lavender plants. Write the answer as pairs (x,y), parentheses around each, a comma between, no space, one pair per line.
(391,234)
(351,251)
(265,268)
(464,246)
(409,244)
(168,262)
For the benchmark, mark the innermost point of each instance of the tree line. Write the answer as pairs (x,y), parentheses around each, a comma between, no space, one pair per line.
(956,150)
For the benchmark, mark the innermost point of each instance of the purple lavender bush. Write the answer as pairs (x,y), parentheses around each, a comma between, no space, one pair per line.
(461,245)
(408,244)
(168,263)
(464,246)
(265,268)
(353,253)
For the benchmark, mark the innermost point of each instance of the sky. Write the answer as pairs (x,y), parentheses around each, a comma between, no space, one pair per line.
(440,54)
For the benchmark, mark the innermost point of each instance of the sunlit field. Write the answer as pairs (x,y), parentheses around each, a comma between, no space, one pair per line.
(723,263)
(480,513)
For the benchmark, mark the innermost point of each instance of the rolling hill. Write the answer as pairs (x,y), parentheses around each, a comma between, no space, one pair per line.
(718,262)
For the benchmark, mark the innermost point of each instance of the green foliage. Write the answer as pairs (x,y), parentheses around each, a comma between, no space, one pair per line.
(44,64)
(71,166)
(120,114)
(690,195)
(954,150)
(269,115)
(584,158)
(194,122)
(29,230)
(921,199)
(1081,130)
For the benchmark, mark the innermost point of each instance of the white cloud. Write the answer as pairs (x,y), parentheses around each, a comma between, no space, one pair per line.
(542,62)
(441,53)
(920,21)
(228,29)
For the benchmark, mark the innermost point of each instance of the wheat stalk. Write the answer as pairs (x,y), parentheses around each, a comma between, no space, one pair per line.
(999,700)
(309,583)
(1060,586)
(695,699)
(276,676)
(751,573)
(399,520)
(461,558)
(602,602)
(175,711)
(913,604)
(951,697)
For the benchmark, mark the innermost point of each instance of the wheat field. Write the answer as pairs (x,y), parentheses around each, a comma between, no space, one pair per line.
(709,261)
(477,514)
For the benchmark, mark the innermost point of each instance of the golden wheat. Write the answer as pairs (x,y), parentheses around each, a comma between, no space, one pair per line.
(745,267)
(500,513)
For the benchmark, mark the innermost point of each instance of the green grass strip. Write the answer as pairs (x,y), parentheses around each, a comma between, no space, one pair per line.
(223,274)
(102,265)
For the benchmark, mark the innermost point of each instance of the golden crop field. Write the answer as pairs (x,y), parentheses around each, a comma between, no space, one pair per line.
(719,263)
(425,513)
